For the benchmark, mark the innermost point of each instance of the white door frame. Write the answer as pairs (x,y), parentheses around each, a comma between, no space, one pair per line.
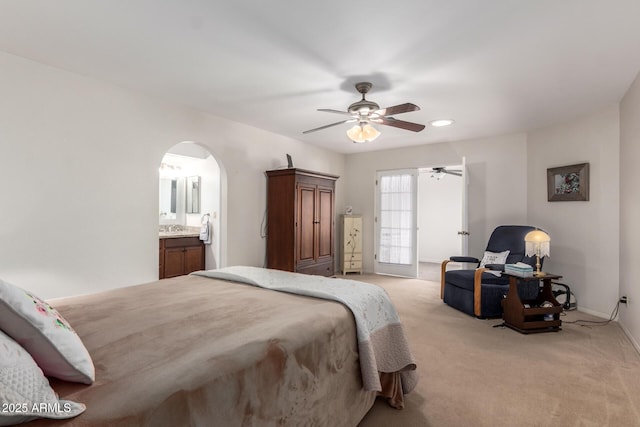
(464,220)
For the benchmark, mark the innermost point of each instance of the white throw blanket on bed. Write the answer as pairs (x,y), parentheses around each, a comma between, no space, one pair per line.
(382,343)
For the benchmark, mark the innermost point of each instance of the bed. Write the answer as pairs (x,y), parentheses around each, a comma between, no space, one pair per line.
(204,351)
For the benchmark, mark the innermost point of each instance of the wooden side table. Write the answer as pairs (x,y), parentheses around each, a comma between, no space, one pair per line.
(534,318)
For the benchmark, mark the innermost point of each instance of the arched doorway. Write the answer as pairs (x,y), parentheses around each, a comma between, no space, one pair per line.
(191,194)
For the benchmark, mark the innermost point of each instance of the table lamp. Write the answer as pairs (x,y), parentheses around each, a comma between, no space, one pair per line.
(537,243)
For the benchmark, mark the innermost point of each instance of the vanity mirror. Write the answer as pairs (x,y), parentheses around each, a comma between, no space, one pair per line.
(193,194)
(178,196)
(169,198)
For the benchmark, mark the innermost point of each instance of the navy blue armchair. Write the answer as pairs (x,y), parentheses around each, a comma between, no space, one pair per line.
(479,293)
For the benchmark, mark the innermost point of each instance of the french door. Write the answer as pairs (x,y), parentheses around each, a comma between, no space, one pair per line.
(396,246)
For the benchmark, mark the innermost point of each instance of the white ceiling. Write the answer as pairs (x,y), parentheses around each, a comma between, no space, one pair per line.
(495,66)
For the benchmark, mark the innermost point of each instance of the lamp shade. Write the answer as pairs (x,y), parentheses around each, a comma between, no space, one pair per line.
(363,133)
(537,243)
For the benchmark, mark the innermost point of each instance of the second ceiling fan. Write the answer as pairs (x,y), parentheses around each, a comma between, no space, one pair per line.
(365,112)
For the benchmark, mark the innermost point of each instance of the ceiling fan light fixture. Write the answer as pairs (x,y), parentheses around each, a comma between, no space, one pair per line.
(441,122)
(363,133)
(366,112)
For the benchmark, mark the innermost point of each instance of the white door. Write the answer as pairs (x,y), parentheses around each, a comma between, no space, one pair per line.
(396,237)
(464,220)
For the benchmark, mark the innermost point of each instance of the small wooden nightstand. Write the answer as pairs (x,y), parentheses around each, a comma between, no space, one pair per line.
(534,318)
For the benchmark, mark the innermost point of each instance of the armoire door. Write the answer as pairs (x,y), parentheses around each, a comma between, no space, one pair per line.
(324,218)
(306,227)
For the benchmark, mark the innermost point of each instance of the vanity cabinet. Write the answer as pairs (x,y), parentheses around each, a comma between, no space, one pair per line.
(300,221)
(180,256)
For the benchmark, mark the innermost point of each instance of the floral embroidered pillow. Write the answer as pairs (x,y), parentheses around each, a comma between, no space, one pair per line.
(25,393)
(45,334)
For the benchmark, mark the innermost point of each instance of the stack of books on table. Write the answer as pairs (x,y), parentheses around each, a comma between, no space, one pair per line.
(520,269)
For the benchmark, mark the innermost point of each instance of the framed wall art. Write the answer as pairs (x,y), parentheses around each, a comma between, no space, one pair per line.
(568,183)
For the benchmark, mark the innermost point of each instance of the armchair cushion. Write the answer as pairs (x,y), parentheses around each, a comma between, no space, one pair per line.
(464,279)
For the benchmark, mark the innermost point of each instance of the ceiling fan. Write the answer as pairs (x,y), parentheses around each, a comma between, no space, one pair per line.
(365,112)
(439,172)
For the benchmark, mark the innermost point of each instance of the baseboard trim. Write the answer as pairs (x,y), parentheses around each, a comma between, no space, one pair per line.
(630,337)
(595,313)
(434,261)
(634,343)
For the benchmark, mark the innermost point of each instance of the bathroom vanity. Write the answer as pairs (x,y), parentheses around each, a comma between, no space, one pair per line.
(181,252)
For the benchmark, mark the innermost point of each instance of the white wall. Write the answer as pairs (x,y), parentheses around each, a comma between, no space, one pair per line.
(439,213)
(584,235)
(210,196)
(630,210)
(497,183)
(79,165)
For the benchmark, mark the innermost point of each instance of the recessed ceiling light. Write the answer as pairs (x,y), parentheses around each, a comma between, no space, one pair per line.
(441,122)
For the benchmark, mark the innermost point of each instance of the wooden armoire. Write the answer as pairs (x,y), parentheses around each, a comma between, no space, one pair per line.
(300,221)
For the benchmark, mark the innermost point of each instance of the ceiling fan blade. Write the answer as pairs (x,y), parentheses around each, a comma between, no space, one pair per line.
(390,121)
(329,110)
(441,170)
(328,126)
(398,109)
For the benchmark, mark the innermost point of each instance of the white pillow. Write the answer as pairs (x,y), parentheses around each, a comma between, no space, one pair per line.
(25,393)
(45,334)
(494,258)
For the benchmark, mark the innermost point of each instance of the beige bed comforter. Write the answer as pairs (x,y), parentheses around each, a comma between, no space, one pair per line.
(195,351)
(382,344)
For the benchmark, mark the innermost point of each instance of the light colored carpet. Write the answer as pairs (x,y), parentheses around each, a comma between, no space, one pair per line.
(472,374)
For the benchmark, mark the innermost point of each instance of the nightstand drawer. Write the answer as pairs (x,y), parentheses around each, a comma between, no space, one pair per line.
(353,265)
(352,257)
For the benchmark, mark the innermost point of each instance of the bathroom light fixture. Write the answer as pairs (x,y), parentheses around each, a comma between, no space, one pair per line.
(363,132)
(168,170)
(441,122)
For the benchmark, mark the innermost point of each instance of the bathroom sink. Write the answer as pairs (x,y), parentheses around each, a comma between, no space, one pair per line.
(176,230)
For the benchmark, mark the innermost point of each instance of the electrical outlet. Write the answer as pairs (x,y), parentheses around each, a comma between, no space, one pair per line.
(624,299)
